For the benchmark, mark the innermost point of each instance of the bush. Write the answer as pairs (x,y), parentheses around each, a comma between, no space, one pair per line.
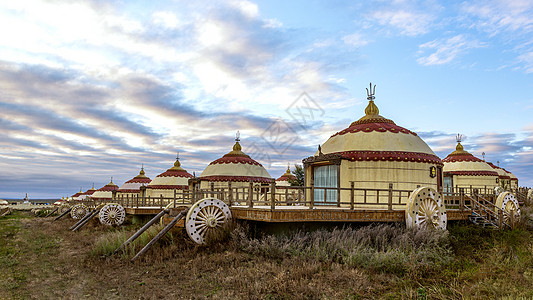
(386,248)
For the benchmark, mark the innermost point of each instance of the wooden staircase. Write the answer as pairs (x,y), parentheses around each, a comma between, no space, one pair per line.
(486,214)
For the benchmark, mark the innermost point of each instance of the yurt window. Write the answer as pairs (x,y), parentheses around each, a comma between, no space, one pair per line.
(325,176)
(448,184)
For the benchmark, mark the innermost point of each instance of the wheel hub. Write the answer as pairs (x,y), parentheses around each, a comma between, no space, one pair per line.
(212,221)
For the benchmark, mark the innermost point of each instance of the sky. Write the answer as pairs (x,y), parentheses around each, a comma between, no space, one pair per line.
(91,90)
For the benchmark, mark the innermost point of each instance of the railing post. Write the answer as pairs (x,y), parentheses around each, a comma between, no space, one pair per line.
(137,201)
(273,195)
(461,199)
(352,206)
(230,195)
(500,218)
(312,202)
(161,202)
(251,195)
(390,196)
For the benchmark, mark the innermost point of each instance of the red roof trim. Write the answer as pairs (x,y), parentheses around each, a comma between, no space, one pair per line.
(235,160)
(139,180)
(286,177)
(167,187)
(175,173)
(461,157)
(108,188)
(376,126)
(472,173)
(390,156)
(237,178)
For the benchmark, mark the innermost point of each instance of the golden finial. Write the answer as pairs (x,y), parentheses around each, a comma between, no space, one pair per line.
(458,138)
(111,182)
(237,146)
(288,172)
(371,109)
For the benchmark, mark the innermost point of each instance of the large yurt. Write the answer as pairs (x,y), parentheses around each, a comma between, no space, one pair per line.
(464,170)
(503,177)
(105,193)
(284,180)
(134,187)
(169,183)
(372,153)
(235,167)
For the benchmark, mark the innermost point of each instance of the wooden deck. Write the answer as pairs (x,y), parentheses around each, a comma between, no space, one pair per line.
(290,204)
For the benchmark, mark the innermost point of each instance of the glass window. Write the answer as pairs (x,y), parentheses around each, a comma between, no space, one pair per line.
(325,176)
(448,184)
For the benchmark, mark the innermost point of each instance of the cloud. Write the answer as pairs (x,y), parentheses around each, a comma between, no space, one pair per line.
(446,50)
(409,18)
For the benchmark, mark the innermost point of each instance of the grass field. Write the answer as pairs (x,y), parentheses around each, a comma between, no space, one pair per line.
(42,259)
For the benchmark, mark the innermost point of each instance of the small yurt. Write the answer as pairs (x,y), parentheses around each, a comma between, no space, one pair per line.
(86,194)
(284,180)
(503,177)
(235,167)
(134,187)
(169,183)
(105,193)
(513,181)
(372,153)
(464,170)
(75,196)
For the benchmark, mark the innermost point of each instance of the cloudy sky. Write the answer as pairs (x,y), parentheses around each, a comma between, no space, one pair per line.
(94,89)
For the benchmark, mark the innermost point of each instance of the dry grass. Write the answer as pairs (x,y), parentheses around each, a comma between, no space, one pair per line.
(43,259)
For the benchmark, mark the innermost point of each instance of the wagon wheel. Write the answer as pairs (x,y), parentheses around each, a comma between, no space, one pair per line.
(507,202)
(206,215)
(425,209)
(79,211)
(112,214)
(63,208)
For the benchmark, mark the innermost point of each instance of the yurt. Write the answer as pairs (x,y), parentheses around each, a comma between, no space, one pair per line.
(503,177)
(76,196)
(134,187)
(169,183)
(284,180)
(235,167)
(105,192)
(464,170)
(86,194)
(372,153)
(514,181)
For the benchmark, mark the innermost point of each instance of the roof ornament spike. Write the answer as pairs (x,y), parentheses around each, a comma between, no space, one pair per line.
(483,154)
(498,162)
(237,136)
(459,137)
(371,93)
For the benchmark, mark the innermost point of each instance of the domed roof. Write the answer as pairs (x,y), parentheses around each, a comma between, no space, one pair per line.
(460,162)
(77,194)
(106,191)
(173,178)
(374,137)
(134,185)
(236,166)
(501,172)
(288,175)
